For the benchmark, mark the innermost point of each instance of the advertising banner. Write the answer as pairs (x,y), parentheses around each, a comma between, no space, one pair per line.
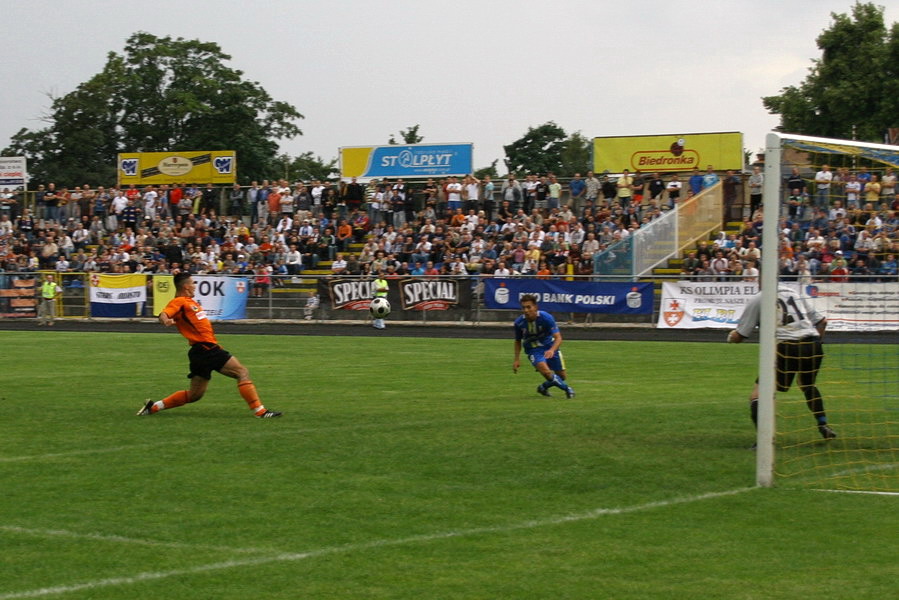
(351,294)
(154,168)
(117,295)
(18,296)
(435,294)
(415,294)
(856,306)
(13,171)
(704,304)
(571,296)
(675,152)
(163,292)
(410,161)
(846,306)
(223,298)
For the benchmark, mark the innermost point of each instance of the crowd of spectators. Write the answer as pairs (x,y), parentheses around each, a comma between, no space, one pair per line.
(841,225)
(452,226)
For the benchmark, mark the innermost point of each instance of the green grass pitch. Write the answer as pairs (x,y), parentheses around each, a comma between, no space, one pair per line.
(408,468)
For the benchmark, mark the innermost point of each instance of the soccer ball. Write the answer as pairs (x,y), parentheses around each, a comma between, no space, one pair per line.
(379,307)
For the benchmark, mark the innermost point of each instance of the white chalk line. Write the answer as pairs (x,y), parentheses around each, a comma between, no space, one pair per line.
(294,431)
(127,540)
(292,556)
(268,432)
(872,493)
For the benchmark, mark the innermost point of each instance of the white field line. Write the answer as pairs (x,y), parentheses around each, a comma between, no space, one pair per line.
(865,469)
(127,540)
(857,492)
(293,557)
(112,449)
(269,431)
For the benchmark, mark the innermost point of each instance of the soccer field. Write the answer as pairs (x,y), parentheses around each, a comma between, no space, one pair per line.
(409,468)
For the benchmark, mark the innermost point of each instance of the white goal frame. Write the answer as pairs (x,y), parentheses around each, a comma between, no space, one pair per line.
(769,277)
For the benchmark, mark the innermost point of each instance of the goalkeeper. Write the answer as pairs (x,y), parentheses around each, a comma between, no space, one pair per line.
(800,330)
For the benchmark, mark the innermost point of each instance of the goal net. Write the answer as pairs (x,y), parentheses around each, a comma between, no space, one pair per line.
(837,237)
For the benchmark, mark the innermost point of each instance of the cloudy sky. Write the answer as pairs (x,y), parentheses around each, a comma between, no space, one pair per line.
(465,71)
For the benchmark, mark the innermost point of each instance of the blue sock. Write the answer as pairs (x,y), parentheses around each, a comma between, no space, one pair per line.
(559,383)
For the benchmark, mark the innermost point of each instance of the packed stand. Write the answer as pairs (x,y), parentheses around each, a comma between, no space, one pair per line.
(273,231)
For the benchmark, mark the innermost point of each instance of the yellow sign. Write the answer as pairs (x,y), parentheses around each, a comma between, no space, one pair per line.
(675,152)
(163,292)
(145,168)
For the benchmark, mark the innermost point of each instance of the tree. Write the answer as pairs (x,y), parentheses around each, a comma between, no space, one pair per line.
(576,155)
(160,95)
(851,91)
(409,136)
(307,167)
(491,170)
(537,151)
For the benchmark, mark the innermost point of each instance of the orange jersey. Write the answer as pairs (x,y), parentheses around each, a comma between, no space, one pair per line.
(191,320)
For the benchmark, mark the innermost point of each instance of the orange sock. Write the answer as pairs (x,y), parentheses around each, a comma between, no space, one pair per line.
(175,400)
(248,392)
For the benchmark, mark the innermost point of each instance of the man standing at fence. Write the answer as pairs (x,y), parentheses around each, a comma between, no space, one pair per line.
(50,291)
(380,289)
(823,179)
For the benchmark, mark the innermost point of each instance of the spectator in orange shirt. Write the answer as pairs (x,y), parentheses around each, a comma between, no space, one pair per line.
(344,235)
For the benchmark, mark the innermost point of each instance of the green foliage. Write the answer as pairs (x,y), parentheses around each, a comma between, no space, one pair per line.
(307,167)
(161,94)
(576,155)
(852,90)
(537,151)
(407,469)
(409,136)
(490,170)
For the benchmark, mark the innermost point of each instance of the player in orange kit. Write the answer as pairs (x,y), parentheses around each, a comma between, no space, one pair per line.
(205,354)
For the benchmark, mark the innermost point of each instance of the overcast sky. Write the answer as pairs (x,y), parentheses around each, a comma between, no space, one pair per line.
(466,71)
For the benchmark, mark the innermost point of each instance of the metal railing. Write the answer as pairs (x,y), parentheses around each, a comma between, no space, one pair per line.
(663,239)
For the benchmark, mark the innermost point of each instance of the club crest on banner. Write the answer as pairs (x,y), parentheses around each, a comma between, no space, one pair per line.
(674,312)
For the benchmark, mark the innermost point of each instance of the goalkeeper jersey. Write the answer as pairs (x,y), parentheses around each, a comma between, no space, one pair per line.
(796,320)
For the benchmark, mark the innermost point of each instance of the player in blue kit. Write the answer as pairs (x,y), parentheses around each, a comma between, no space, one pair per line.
(536,331)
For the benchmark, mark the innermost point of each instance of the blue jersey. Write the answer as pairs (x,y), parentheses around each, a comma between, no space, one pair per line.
(537,333)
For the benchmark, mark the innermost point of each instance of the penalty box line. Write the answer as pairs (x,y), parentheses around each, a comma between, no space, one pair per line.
(120,539)
(267,432)
(305,429)
(298,556)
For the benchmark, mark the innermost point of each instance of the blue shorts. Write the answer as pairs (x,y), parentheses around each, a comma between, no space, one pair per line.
(555,364)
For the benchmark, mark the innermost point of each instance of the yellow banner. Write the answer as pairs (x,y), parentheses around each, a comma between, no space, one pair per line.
(163,292)
(154,168)
(668,153)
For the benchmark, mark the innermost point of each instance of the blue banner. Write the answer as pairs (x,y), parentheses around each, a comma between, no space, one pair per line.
(571,296)
(420,160)
(223,298)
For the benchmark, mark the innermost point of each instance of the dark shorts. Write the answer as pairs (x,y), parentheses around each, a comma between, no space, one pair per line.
(206,358)
(801,360)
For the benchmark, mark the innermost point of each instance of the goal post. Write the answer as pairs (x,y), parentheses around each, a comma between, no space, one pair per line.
(863,396)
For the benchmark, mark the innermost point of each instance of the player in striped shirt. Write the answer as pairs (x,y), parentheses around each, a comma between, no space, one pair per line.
(536,331)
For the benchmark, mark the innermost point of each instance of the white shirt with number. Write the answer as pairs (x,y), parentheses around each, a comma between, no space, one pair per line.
(795,318)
